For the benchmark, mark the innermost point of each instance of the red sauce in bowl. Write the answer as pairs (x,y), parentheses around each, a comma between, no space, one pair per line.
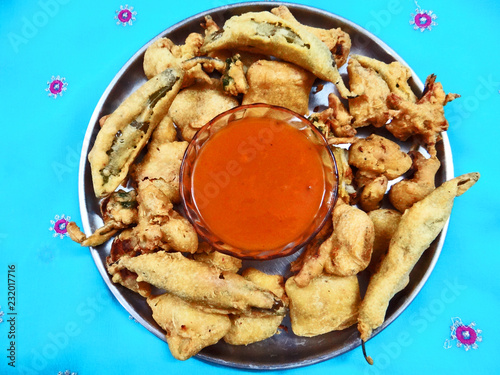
(257,185)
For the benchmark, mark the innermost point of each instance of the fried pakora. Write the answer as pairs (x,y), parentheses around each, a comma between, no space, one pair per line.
(159,225)
(249,329)
(424,119)
(337,41)
(163,54)
(265,33)
(419,226)
(385,222)
(279,83)
(408,191)
(198,282)
(328,303)
(372,193)
(188,328)
(369,107)
(346,252)
(118,210)
(376,155)
(161,166)
(127,130)
(335,122)
(196,105)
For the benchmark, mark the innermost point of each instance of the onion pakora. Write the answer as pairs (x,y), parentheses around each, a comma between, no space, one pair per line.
(279,83)
(194,106)
(424,119)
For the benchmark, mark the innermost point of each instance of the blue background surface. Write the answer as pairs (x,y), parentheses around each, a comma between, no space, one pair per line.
(67,320)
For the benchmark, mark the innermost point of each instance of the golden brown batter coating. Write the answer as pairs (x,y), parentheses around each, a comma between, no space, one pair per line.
(188,329)
(419,226)
(327,303)
(196,105)
(376,155)
(200,283)
(337,41)
(161,166)
(279,83)
(408,191)
(163,54)
(385,222)
(424,119)
(248,329)
(265,33)
(127,130)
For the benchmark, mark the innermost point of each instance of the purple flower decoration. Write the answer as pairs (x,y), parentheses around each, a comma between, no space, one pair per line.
(125,16)
(465,335)
(57,85)
(423,19)
(59,226)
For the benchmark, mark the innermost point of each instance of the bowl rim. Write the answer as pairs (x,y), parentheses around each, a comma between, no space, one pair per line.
(330,195)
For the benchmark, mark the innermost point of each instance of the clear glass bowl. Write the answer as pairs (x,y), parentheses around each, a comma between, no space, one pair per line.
(261,111)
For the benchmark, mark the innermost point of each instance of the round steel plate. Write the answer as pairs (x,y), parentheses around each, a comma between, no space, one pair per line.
(284,350)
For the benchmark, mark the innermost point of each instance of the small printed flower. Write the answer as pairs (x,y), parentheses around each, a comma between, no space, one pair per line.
(57,85)
(59,226)
(125,16)
(466,336)
(423,19)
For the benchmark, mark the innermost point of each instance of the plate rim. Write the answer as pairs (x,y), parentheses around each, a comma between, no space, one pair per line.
(447,154)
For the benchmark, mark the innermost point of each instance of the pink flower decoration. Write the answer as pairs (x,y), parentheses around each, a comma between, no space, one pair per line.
(466,336)
(423,19)
(125,15)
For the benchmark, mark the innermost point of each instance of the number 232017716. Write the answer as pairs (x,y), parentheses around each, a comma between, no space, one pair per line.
(11,287)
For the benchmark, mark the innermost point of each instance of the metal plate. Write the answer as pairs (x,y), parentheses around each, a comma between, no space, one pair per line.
(284,350)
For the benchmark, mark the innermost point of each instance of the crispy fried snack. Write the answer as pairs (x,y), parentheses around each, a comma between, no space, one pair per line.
(406,192)
(163,54)
(123,245)
(385,222)
(372,194)
(119,211)
(188,329)
(376,155)
(159,226)
(419,226)
(234,80)
(307,265)
(248,329)
(217,259)
(335,122)
(279,83)
(127,130)
(346,252)
(198,69)
(395,75)
(224,292)
(198,104)
(423,119)
(263,32)
(369,107)
(337,41)
(161,166)
(351,243)
(327,303)
(374,81)
(346,191)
